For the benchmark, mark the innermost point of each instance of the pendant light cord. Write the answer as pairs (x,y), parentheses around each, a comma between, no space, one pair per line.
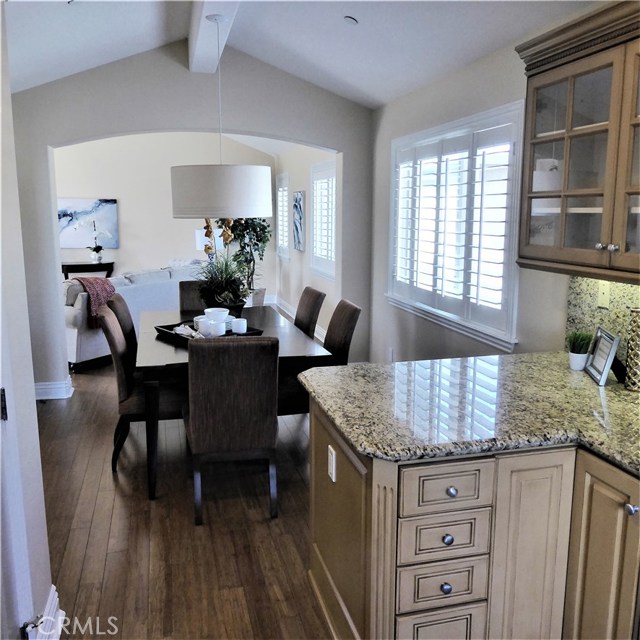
(219,93)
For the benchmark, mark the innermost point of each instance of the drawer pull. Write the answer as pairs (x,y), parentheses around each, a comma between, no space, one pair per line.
(631,509)
(446,588)
(447,538)
(452,492)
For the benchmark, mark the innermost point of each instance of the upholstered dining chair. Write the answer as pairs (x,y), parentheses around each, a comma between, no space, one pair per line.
(308,310)
(190,298)
(340,331)
(231,413)
(131,392)
(120,308)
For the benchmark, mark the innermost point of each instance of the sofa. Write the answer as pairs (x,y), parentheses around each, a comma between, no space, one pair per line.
(153,290)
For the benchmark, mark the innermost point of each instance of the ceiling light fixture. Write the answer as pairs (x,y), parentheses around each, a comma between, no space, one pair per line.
(222,190)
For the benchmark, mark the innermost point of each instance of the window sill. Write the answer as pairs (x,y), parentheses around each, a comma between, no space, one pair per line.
(500,342)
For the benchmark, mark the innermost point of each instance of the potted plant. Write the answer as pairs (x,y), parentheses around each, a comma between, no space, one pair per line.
(252,236)
(223,283)
(578,343)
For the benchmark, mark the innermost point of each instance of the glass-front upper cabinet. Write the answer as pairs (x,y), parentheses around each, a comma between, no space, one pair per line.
(572,131)
(580,208)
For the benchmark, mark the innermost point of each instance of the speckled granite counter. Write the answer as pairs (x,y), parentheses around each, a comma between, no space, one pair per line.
(433,408)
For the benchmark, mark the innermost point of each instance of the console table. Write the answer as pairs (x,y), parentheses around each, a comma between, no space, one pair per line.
(86,267)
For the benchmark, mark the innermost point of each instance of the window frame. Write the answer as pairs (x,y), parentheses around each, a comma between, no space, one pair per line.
(404,295)
(282,182)
(321,171)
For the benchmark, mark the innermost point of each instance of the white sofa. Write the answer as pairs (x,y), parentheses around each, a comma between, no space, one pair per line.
(154,290)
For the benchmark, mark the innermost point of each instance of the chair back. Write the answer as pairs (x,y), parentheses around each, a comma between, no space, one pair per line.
(190,298)
(120,308)
(340,331)
(123,363)
(233,394)
(308,310)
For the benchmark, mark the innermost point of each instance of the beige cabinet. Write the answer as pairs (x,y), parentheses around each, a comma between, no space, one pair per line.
(529,554)
(581,183)
(604,555)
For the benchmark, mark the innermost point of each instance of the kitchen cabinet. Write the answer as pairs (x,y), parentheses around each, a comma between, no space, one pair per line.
(604,552)
(581,175)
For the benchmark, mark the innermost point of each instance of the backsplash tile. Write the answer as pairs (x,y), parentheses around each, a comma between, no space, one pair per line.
(583,313)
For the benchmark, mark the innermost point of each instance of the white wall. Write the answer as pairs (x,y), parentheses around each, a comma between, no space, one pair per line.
(24,559)
(490,82)
(296,272)
(134,169)
(154,91)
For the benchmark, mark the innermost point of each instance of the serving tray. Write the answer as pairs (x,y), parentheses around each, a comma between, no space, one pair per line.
(166,334)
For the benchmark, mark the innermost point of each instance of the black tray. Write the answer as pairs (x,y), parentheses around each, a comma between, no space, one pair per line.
(166,334)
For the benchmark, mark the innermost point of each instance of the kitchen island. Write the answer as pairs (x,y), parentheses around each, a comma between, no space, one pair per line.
(442,492)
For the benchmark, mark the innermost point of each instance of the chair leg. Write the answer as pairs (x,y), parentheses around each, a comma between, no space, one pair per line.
(197,489)
(273,486)
(119,437)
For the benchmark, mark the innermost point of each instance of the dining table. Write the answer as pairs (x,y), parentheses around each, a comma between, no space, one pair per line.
(160,360)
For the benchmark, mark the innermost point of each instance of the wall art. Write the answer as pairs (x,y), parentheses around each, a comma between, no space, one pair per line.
(298,220)
(87,222)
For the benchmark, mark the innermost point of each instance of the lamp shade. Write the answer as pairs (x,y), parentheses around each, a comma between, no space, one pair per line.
(221,191)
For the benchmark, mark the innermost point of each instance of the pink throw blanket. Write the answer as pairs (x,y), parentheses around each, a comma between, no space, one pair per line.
(99,291)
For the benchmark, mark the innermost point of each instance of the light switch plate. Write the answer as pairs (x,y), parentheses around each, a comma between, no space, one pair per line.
(331,462)
(603,294)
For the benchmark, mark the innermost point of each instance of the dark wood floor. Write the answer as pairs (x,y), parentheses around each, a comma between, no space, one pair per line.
(115,553)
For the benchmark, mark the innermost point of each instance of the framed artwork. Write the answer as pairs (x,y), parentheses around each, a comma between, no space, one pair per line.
(601,355)
(298,220)
(87,222)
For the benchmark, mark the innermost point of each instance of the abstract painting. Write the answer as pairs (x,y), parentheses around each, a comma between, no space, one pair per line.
(298,220)
(86,222)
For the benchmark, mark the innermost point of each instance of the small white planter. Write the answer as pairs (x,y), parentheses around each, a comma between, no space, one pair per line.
(578,361)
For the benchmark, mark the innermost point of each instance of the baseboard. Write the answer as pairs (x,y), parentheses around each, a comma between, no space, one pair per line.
(54,390)
(50,624)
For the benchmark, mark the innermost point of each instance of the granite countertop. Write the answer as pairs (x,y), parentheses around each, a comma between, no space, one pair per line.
(434,408)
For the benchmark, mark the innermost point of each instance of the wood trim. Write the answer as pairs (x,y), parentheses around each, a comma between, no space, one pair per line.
(588,34)
(615,275)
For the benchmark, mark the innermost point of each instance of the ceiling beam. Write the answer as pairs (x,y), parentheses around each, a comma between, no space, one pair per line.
(203,43)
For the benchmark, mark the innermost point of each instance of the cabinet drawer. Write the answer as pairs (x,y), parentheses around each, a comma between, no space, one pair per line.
(432,488)
(440,584)
(443,536)
(453,623)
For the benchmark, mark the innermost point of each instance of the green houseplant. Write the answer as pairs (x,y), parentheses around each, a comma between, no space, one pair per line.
(578,343)
(223,283)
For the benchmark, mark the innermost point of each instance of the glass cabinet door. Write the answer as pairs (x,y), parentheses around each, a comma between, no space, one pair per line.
(626,232)
(569,169)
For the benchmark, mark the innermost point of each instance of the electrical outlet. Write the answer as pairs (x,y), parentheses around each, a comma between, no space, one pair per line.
(331,462)
(603,294)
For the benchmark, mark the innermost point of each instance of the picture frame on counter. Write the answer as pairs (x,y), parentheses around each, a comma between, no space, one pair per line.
(601,355)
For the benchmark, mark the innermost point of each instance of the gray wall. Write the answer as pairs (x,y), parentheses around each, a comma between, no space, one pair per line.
(154,91)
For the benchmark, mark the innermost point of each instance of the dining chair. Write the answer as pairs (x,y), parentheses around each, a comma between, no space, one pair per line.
(131,390)
(231,413)
(120,308)
(340,331)
(190,298)
(308,310)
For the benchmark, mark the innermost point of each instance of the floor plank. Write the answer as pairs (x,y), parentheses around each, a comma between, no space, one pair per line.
(141,569)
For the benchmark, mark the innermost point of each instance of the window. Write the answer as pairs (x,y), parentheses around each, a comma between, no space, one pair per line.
(282,196)
(454,223)
(323,202)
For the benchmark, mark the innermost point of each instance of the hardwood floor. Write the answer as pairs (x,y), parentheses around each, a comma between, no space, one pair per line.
(127,567)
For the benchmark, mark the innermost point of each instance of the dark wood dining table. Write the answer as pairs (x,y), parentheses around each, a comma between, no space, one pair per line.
(157,360)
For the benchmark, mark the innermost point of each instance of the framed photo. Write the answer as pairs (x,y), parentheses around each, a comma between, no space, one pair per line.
(86,222)
(601,356)
(298,220)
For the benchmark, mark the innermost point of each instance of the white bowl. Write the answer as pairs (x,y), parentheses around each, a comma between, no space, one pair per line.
(216,314)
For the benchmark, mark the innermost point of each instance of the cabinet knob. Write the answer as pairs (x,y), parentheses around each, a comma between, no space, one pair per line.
(446,588)
(452,492)
(448,539)
(630,509)
(600,246)
(613,248)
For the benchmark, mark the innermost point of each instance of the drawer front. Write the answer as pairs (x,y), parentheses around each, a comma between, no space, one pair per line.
(433,488)
(440,584)
(453,623)
(444,536)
